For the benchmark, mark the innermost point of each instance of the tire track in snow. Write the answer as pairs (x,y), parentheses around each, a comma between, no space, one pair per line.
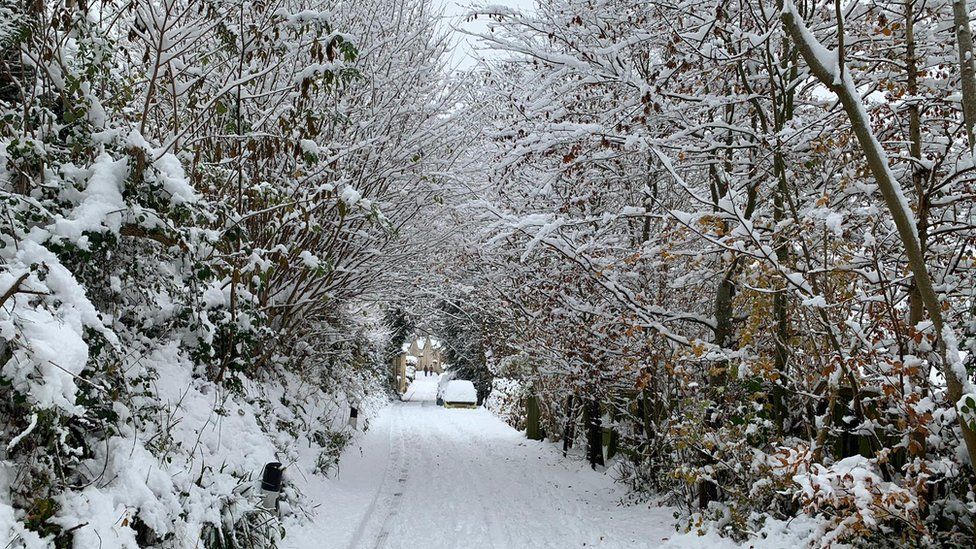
(396,500)
(379,502)
(499,460)
(462,478)
(469,449)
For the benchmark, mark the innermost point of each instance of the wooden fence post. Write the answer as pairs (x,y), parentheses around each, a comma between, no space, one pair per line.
(594,432)
(533,429)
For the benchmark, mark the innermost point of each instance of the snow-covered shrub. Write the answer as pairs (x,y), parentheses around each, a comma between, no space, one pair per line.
(859,502)
(507,401)
(332,444)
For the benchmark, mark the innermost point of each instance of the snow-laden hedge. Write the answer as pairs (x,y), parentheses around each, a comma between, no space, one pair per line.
(180,462)
(506,400)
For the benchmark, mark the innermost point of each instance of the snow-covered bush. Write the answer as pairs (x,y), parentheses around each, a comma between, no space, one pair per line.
(859,501)
(507,401)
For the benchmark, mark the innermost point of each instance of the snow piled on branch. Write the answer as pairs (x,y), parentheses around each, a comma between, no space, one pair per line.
(101,206)
(46,335)
(174,180)
(954,358)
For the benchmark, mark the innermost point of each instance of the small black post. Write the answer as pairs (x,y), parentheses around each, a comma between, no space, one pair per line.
(271,485)
(353,416)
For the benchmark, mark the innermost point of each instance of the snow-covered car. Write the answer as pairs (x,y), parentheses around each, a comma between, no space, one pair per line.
(460,393)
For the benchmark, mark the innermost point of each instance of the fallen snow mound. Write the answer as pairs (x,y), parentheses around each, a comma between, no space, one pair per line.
(460,390)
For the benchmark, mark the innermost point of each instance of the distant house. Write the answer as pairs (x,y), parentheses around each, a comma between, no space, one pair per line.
(427,352)
(416,356)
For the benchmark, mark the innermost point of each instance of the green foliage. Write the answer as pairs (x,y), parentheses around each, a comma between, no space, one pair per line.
(332,443)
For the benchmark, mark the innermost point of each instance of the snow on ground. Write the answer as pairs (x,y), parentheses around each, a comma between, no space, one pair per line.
(423,389)
(427,477)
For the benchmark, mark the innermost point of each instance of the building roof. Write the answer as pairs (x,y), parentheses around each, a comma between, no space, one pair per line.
(421,343)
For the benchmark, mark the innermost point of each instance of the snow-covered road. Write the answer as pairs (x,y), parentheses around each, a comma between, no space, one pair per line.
(429,477)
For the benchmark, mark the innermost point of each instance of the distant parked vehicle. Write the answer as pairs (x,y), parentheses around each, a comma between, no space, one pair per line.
(460,393)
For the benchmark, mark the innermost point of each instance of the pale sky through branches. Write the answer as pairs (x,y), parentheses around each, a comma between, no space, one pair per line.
(467,52)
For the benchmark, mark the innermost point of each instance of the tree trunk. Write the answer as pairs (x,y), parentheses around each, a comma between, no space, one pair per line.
(610,438)
(916,307)
(594,433)
(964,44)
(568,431)
(781,314)
(919,175)
(780,311)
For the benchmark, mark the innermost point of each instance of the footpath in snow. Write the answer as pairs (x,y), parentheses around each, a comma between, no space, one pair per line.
(428,477)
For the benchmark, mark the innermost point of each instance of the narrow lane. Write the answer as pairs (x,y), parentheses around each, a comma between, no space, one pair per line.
(429,477)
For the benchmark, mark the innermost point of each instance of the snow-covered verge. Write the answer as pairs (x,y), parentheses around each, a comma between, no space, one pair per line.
(801,531)
(181,461)
(855,481)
